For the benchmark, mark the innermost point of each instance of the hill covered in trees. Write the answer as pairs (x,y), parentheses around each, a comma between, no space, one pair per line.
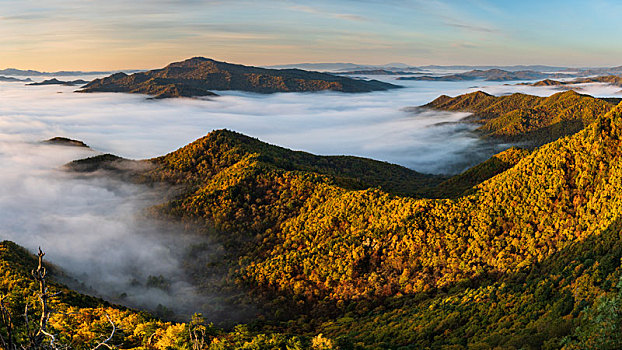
(198,76)
(605,79)
(525,118)
(522,251)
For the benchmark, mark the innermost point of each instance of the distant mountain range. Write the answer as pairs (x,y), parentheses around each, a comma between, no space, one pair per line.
(538,68)
(490,75)
(55,81)
(596,71)
(12,79)
(343,67)
(34,73)
(198,76)
(350,67)
(376,72)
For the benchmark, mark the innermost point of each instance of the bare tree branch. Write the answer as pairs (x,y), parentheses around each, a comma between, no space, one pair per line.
(105,342)
(52,338)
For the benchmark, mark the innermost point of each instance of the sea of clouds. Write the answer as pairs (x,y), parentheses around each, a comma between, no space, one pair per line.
(90,227)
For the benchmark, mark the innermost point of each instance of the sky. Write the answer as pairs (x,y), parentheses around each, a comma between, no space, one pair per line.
(118,34)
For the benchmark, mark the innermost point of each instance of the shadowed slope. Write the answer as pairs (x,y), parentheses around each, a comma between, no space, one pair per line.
(462,184)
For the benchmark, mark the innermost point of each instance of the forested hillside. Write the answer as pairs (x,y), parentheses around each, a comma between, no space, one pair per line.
(521,251)
(343,246)
(525,118)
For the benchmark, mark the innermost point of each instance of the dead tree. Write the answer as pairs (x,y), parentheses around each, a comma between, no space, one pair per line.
(197,331)
(44,296)
(36,338)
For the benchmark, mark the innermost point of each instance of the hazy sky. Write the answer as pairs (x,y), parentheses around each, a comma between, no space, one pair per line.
(118,34)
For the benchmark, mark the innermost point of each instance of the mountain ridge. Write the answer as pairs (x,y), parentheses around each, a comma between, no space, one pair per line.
(198,76)
(526,118)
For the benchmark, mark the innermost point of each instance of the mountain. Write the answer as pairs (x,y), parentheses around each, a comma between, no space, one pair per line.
(345,171)
(527,257)
(12,79)
(489,75)
(55,81)
(464,183)
(547,82)
(524,118)
(198,76)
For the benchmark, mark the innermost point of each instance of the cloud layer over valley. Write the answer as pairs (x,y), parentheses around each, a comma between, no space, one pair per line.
(91,227)
(371,125)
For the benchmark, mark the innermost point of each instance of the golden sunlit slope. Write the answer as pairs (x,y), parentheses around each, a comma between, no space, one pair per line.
(310,237)
(525,118)
(318,236)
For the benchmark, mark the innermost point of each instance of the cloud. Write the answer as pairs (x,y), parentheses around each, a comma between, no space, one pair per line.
(316,11)
(350,17)
(469,27)
(465,45)
(324,123)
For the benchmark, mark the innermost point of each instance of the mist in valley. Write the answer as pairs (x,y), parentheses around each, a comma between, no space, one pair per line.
(95,230)
(92,227)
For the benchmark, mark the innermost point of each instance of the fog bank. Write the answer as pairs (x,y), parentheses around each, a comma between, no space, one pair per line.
(92,229)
